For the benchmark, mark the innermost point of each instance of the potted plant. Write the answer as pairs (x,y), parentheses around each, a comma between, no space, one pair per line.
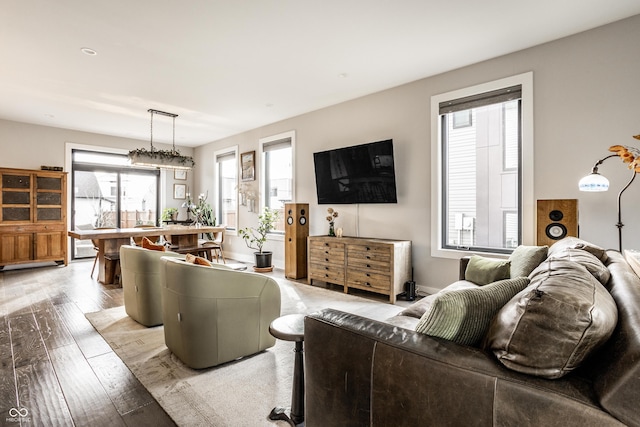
(255,238)
(170,214)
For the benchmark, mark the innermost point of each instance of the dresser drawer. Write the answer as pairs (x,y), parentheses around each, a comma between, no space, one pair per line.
(371,280)
(327,255)
(327,273)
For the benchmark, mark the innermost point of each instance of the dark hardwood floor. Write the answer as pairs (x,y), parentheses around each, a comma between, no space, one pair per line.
(56,370)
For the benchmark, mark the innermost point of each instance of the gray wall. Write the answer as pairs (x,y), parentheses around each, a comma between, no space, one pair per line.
(586,98)
(26,146)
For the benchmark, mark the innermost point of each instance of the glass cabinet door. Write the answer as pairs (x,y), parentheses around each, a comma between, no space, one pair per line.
(16,197)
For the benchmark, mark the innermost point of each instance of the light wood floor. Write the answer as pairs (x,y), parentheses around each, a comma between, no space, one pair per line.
(55,365)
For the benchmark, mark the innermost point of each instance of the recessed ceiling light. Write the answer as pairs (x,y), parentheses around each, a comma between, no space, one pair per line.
(343,75)
(268,105)
(88,51)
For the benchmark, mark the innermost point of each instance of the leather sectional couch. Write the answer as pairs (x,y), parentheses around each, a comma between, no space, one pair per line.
(361,372)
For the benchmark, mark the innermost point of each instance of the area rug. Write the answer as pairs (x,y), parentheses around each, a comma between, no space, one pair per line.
(239,393)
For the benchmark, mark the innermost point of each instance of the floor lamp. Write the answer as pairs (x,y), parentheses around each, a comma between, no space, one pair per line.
(596,182)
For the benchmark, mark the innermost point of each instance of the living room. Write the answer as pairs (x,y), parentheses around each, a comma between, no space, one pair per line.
(585,99)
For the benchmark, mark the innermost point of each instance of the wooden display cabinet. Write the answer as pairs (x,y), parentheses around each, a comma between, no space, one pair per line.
(33,216)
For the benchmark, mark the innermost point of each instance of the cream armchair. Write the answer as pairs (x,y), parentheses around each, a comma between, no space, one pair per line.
(141,286)
(215,314)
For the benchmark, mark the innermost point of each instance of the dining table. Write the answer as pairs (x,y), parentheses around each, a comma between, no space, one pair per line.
(109,240)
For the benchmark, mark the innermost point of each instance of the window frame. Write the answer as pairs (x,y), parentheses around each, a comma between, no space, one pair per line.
(263,143)
(527,217)
(119,170)
(233,150)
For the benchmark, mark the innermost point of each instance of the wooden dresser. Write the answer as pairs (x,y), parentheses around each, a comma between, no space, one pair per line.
(33,216)
(376,265)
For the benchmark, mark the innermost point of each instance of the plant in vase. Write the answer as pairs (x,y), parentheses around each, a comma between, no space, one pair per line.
(204,214)
(255,238)
(170,214)
(331,218)
(189,205)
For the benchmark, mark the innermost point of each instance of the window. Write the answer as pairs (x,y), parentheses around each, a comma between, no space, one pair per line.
(226,190)
(483,155)
(109,193)
(277,174)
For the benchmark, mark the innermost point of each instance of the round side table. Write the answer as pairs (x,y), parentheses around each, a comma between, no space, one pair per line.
(291,328)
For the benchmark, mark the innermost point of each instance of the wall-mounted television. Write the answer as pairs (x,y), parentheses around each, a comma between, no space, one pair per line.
(358,174)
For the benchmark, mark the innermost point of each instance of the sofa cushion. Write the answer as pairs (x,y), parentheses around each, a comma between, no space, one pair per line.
(464,315)
(587,260)
(576,243)
(482,271)
(148,244)
(551,327)
(524,259)
(418,308)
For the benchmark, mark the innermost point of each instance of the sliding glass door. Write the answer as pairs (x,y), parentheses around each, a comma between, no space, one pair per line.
(107,193)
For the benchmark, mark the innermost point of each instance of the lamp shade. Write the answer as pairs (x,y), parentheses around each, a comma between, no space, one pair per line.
(594,182)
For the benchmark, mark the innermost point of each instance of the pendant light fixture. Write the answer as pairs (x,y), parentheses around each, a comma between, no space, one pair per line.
(167,159)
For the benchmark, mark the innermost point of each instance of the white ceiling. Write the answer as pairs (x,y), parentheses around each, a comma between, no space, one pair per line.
(229,66)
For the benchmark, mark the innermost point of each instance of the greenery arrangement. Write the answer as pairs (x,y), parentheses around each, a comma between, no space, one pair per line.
(331,218)
(170,156)
(169,213)
(255,238)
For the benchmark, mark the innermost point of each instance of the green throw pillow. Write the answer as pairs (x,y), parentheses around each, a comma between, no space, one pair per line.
(482,271)
(464,316)
(524,259)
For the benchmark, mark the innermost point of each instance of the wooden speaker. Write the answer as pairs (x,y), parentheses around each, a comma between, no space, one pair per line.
(556,220)
(296,231)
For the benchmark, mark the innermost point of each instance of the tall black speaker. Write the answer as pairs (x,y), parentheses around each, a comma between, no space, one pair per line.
(296,231)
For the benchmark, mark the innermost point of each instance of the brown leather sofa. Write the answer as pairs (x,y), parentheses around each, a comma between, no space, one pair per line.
(361,372)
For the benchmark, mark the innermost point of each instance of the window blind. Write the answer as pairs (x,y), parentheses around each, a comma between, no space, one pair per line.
(481,99)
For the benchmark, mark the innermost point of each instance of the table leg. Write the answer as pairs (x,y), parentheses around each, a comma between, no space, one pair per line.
(106,270)
(297,393)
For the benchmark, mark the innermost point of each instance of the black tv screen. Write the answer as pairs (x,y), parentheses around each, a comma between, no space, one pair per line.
(358,174)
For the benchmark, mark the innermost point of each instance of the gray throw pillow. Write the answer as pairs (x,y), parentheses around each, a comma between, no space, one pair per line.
(482,271)
(464,316)
(524,259)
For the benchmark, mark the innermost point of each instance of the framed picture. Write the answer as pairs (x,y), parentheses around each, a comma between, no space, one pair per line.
(248,165)
(180,174)
(179,191)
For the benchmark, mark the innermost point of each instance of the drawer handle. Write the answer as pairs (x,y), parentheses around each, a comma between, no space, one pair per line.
(326,268)
(367,283)
(368,257)
(368,275)
(368,248)
(368,265)
(326,252)
(326,275)
(326,259)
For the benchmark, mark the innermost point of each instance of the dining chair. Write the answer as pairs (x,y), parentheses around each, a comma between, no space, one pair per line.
(215,246)
(95,248)
(138,239)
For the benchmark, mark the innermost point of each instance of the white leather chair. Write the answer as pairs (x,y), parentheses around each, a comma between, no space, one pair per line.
(141,284)
(216,314)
